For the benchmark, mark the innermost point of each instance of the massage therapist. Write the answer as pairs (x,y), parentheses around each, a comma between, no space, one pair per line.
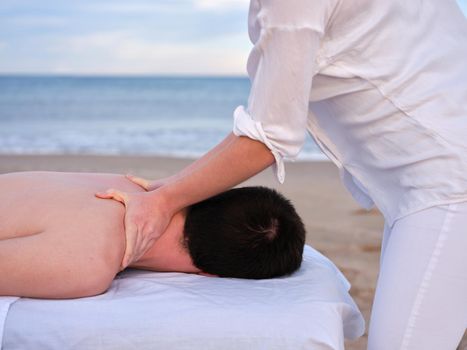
(382,88)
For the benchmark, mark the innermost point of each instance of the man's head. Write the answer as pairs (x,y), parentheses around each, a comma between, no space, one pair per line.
(249,232)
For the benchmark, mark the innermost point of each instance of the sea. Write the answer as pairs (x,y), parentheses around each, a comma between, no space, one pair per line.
(164,116)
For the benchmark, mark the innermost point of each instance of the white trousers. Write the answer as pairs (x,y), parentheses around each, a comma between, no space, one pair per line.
(421,294)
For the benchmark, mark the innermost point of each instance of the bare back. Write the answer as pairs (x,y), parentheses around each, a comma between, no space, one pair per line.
(60,227)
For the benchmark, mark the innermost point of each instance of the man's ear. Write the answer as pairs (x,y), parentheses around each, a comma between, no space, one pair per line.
(202,273)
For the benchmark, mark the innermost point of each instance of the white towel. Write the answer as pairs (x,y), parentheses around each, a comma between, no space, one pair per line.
(5,303)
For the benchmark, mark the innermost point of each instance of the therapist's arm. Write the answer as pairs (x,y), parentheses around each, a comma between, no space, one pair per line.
(149,185)
(236,160)
(148,213)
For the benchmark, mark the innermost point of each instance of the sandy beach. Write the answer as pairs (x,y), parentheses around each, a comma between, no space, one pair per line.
(336,225)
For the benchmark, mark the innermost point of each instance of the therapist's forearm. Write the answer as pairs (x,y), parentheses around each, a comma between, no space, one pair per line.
(235,160)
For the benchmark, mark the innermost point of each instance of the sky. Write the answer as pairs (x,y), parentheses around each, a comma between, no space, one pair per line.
(183,37)
(124,37)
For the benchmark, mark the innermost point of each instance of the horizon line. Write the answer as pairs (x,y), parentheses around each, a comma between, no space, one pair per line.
(121,75)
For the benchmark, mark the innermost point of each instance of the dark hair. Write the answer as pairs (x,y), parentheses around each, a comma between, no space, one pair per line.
(249,232)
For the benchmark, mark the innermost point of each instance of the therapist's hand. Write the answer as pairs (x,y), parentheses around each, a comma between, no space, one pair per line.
(146,219)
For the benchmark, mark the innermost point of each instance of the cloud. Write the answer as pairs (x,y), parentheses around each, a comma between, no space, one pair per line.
(220,4)
(120,36)
(123,52)
(463,6)
(144,7)
(135,7)
(29,20)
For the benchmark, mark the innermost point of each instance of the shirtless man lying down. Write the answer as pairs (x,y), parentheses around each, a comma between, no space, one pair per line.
(57,240)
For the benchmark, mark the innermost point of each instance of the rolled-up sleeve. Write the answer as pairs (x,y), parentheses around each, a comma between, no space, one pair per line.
(281,66)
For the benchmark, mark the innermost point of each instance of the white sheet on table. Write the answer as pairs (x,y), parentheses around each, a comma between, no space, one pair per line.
(146,310)
(5,303)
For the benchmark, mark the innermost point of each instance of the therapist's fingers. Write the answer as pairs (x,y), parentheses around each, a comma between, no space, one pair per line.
(143,244)
(120,196)
(131,236)
(135,234)
(139,181)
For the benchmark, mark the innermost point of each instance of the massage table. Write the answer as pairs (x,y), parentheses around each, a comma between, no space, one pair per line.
(311,309)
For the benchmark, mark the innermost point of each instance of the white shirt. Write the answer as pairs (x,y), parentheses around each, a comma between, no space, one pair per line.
(380,85)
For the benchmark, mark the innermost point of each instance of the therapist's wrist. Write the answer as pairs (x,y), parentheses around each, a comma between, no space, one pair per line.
(166,200)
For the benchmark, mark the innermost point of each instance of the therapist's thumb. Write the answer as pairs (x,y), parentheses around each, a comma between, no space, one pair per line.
(139,181)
